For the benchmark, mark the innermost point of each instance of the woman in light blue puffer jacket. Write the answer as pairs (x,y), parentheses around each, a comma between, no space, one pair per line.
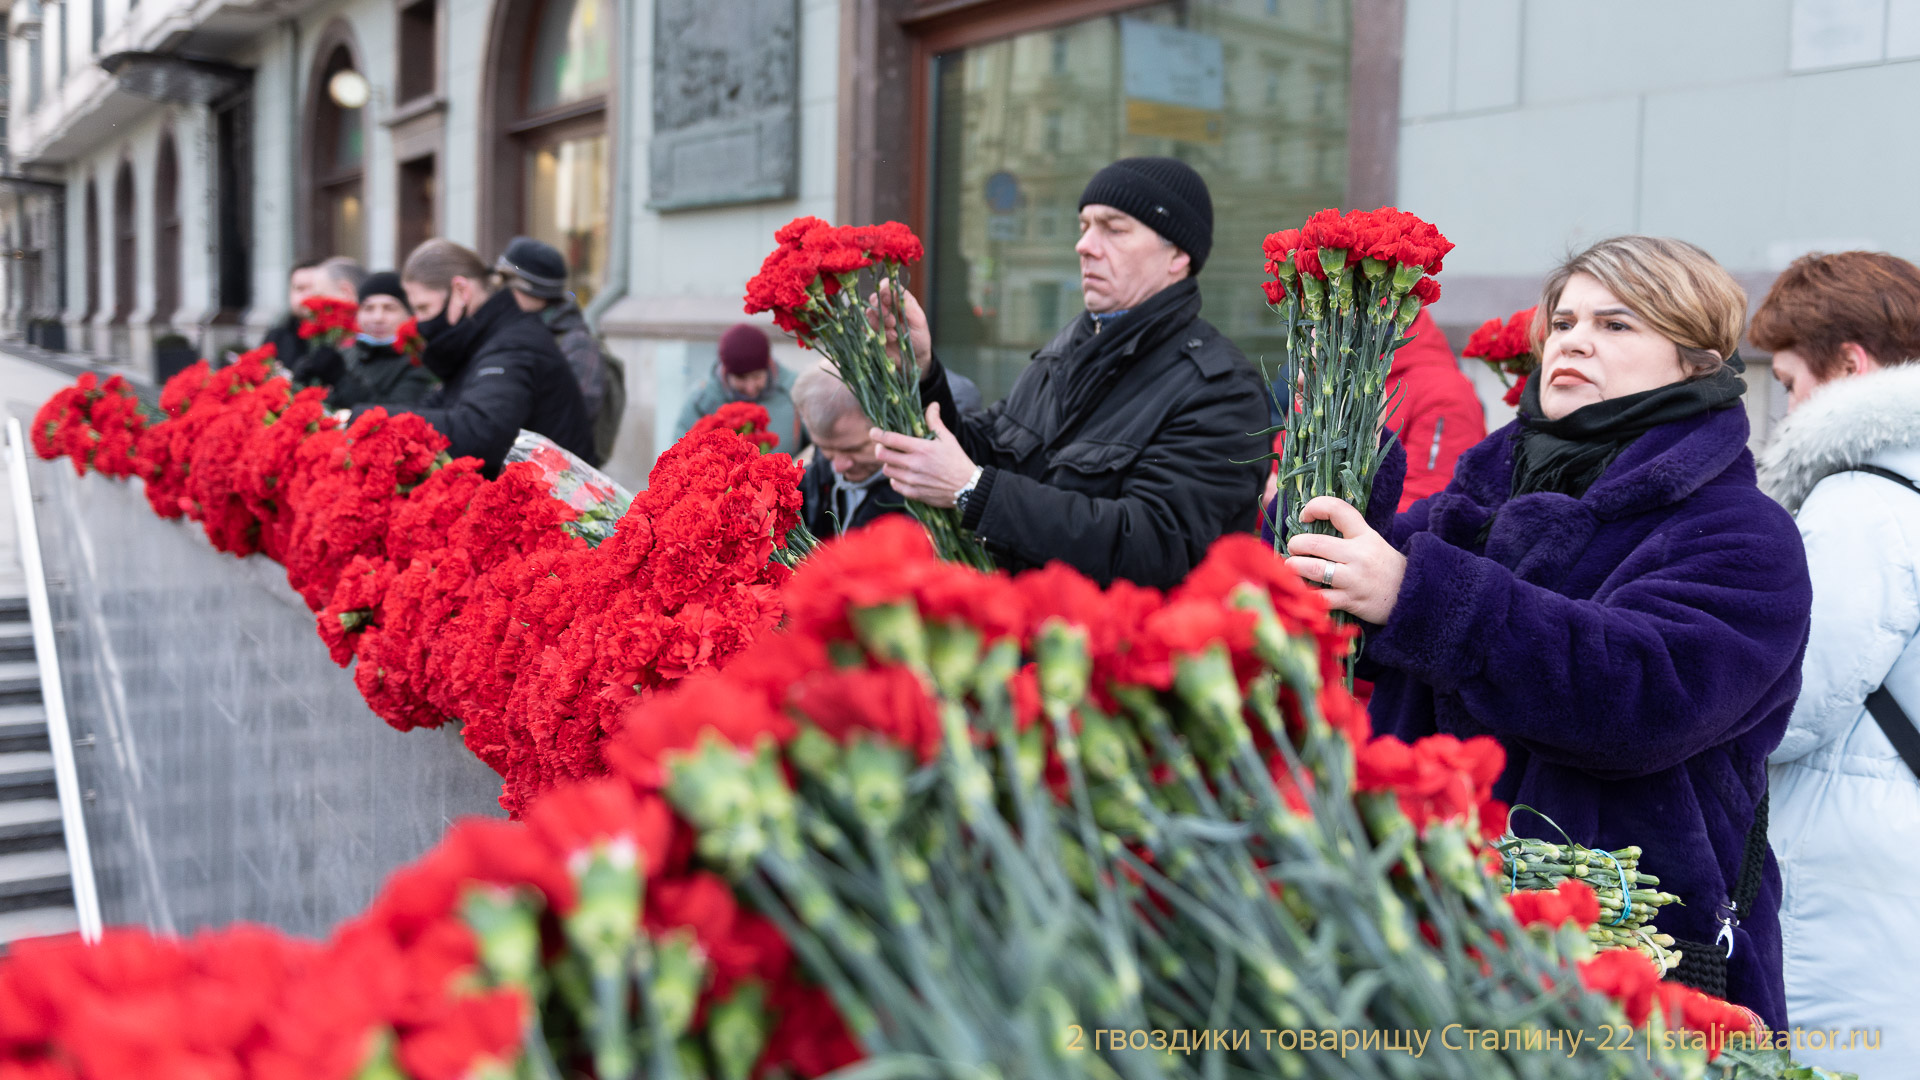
(1845,807)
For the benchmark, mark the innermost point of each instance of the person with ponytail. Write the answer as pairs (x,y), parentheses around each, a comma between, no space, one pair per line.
(500,370)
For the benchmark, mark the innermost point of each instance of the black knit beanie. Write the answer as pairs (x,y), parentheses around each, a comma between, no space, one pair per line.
(384,283)
(1165,194)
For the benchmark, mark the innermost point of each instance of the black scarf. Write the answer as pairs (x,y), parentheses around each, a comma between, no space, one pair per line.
(1567,455)
(451,345)
(1095,359)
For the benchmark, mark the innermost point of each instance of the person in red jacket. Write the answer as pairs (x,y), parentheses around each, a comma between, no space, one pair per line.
(1438,415)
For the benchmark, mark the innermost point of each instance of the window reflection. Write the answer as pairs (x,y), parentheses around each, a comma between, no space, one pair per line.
(349,142)
(567,205)
(571,57)
(1022,123)
(344,216)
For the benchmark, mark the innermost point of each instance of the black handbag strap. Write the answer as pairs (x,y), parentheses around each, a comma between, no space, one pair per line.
(1894,722)
(1885,474)
(1703,965)
(1897,726)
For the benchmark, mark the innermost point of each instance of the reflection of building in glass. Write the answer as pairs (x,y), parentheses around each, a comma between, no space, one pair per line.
(1252,94)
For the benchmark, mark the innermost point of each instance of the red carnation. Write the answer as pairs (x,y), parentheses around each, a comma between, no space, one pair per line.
(1573,901)
(1625,975)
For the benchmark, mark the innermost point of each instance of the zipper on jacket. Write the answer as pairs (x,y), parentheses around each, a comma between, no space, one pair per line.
(1433,455)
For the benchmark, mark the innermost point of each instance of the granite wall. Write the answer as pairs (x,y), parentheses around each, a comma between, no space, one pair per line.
(231,771)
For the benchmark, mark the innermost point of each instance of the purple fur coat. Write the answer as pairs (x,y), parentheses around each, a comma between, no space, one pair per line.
(1637,651)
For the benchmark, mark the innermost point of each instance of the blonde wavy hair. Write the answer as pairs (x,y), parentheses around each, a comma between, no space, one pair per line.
(1681,292)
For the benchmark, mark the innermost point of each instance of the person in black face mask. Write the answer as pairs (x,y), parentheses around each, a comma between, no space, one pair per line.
(375,367)
(500,368)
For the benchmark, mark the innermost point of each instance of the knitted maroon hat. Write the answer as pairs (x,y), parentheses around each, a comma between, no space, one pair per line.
(745,349)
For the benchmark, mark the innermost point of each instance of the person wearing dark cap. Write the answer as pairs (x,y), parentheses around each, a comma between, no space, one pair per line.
(537,274)
(374,366)
(746,372)
(1131,443)
(500,371)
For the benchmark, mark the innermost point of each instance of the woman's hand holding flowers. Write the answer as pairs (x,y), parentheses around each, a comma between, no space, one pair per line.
(1361,571)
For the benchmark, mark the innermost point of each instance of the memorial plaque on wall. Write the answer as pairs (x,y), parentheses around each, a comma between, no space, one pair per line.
(726,116)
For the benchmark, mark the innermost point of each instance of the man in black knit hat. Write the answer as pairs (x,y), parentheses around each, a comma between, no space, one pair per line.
(537,274)
(1128,446)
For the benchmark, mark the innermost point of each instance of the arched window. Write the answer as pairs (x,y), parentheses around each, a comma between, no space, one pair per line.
(336,144)
(91,267)
(166,234)
(552,158)
(126,243)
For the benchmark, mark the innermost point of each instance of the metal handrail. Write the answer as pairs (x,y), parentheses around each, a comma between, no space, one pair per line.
(86,896)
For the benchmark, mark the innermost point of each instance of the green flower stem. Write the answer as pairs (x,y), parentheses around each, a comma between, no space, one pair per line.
(888,392)
(820,963)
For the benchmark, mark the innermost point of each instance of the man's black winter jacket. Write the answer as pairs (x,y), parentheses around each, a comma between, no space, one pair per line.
(1116,452)
(502,372)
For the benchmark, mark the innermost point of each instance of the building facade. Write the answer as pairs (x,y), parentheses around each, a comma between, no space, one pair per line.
(172,159)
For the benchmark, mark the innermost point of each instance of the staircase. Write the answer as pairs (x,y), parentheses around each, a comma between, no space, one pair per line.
(36,888)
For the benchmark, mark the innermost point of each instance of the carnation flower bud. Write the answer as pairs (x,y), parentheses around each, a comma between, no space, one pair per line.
(506,927)
(953,654)
(1030,755)
(877,777)
(773,796)
(1447,851)
(913,869)
(1409,310)
(1395,923)
(737,1030)
(1102,746)
(716,790)
(1313,291)
(815,755)
(673,984)
(892,632)
(996,668)
(1114,812)
(1207,684)
(603,924)
(380,1063)
(1065,666)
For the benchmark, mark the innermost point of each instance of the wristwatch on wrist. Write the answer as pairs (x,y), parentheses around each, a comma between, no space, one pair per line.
(960,497)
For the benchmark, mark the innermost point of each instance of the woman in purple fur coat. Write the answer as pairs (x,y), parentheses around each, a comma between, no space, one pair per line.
(1604,589)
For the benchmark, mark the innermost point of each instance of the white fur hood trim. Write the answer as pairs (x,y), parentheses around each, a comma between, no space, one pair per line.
(1844,424)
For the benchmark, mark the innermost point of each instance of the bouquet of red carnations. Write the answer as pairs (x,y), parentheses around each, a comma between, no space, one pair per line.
(594,495)
(1346,286)
(410,342)
(1003,820)
(743,418)
(329,320)
(530,608)
(963,825)
(96,424)
(815,284)
(1508,349)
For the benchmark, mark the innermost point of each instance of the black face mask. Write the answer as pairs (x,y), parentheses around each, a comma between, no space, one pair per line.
(431,329)
(449,344)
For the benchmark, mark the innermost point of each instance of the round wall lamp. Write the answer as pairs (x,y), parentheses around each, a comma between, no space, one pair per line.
(349,89)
